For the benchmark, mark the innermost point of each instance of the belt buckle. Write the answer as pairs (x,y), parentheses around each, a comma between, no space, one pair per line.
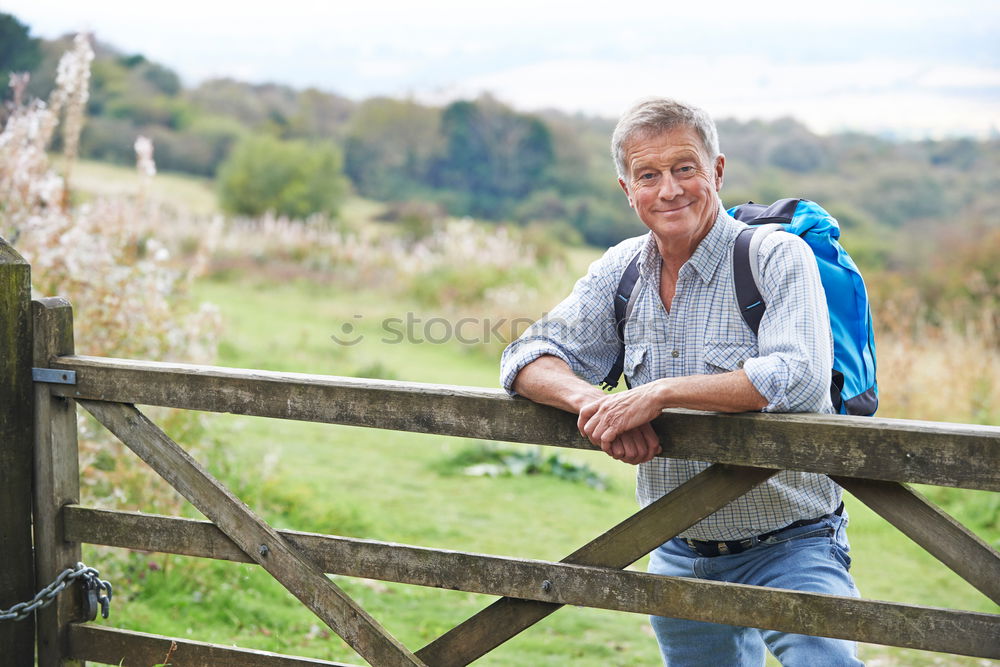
(698,546)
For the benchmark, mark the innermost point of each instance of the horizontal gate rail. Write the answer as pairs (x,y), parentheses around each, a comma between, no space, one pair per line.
(888,623)
(140,649)
(956,455)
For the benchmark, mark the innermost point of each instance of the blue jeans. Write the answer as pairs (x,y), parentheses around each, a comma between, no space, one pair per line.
(810,558)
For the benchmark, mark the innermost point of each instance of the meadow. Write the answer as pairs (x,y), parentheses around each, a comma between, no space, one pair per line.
(155,272)
(281,306)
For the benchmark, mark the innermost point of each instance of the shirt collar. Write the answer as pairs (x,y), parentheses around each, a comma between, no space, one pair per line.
(707,256)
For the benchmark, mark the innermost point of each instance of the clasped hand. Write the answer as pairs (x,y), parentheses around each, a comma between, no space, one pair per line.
(620,424)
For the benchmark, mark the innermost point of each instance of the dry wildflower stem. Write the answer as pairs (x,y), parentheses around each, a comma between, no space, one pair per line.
(104,256)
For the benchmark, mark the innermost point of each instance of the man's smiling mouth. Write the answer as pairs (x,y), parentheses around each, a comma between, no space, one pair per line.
(674,210)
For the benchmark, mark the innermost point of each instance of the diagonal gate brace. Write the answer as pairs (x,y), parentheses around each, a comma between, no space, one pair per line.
(967,554)
(253,535)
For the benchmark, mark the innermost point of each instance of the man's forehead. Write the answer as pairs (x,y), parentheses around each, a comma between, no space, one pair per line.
(676,141)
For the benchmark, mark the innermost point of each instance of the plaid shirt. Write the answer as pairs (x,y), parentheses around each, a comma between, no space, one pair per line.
(789,364)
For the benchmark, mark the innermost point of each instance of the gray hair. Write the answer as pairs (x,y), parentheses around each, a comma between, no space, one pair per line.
(661,114)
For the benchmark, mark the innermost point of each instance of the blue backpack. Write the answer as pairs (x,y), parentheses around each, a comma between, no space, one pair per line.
(853,388)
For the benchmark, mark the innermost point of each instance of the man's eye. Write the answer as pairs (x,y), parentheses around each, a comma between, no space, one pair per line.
(648,176)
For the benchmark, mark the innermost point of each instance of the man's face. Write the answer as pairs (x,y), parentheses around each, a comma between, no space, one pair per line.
(672,184)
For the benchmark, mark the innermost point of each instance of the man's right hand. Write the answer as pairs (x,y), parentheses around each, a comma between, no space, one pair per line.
(549,380)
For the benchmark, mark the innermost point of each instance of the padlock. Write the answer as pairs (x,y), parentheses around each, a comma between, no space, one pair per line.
(89,600)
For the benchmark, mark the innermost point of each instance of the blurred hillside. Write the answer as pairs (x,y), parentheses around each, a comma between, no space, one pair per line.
(896,200)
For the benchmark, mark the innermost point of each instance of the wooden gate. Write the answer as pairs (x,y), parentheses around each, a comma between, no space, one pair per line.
(874,459)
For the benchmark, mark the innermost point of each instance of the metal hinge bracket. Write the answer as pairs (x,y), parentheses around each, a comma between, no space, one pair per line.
(53,376)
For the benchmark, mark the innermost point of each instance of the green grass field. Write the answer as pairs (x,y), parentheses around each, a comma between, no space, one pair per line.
(101,179)
(90,179)
(386,485)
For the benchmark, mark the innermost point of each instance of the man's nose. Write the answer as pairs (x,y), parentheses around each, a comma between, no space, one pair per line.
(669,187)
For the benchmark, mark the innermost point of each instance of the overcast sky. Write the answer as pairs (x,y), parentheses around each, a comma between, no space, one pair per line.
(905,67)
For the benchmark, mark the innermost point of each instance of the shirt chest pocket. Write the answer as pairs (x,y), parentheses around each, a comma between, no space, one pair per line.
(635,356)
(724,356)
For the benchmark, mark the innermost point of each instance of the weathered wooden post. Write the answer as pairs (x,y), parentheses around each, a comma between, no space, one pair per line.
(57,480)
(17,564)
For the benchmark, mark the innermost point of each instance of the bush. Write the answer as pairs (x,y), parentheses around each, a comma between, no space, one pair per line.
(289,178)
(109,140)
(199,149)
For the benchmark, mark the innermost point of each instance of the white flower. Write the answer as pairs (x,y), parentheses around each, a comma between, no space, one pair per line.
(144,156)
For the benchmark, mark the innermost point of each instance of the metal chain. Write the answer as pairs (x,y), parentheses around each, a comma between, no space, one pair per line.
(88,575)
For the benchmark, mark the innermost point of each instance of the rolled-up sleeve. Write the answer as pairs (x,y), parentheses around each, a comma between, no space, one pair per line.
(792,370)
(580,330)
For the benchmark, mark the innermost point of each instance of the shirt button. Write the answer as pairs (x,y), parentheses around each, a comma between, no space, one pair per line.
(739,364)
(675,354)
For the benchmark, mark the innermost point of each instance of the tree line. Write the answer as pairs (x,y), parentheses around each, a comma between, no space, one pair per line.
(273,147)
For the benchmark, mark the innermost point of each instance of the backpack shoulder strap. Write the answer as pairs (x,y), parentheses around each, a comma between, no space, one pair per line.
(624,300)
(746,273)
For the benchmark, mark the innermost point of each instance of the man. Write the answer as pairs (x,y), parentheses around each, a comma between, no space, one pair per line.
(688,347)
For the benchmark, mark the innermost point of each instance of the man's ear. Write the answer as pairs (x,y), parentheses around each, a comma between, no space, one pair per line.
(625,190)
(720,168)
